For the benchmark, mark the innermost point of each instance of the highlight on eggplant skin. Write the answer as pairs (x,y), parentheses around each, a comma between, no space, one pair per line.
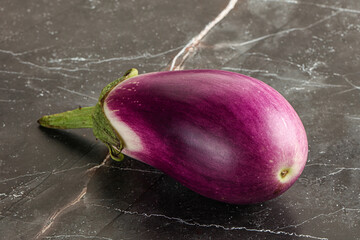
(224,135)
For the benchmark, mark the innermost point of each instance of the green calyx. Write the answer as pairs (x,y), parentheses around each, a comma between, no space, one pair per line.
(92,117)
(102,128)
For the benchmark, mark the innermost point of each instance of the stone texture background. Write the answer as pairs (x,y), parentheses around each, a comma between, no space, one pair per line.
(57,55)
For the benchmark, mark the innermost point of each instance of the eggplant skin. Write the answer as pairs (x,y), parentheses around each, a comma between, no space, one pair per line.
(224,135)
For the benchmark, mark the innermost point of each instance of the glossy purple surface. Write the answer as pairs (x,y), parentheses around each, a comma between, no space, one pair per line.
(222,134)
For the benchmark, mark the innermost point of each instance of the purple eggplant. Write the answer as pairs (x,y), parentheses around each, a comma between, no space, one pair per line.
(224,135)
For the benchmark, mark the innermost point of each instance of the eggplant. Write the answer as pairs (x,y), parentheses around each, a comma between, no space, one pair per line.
(222,134)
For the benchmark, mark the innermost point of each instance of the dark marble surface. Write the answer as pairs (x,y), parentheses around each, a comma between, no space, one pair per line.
(57,55)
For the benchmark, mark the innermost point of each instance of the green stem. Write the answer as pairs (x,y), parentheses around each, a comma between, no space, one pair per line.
(92,117)
(78,118)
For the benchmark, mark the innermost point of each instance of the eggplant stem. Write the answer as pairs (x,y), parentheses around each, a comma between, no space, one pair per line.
(77,118)
(92,117)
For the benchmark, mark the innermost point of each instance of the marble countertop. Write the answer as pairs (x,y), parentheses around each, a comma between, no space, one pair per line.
(58,55)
